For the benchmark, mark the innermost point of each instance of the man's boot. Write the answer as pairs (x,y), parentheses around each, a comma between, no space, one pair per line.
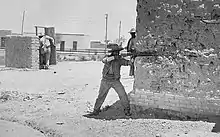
(46,67)
(94,113)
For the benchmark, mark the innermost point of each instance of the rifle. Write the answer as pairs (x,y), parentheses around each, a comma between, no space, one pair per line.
(157,53)
(145,53)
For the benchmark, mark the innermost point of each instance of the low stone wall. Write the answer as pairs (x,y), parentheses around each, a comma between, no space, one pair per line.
(185,75)
(187,105)
(22,52)
(193,87)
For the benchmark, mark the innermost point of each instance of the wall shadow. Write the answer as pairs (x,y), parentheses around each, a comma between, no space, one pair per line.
(115,111)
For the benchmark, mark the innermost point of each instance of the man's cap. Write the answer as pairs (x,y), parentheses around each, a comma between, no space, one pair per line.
(133,30)
(114,47)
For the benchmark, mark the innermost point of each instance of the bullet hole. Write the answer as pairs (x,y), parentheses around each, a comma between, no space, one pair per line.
(184,68)
(180,69)
(202,46)
(200,66)
(211,63)
(171,26)
(168,16)
(206,30)
(198,83)
(139,6)
(171,76)
(158,88)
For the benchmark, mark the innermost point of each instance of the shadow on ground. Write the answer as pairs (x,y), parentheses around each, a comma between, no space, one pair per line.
(115,111)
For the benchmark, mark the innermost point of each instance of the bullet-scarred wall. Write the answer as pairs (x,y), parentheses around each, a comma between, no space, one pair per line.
(22,52)
(186,75)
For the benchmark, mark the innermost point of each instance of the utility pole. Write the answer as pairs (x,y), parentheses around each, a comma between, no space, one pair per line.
(106,30)
(22,24)
(119,37)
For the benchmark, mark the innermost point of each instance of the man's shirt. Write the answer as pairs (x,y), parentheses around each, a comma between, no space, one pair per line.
(45,41)
(111,70)
(131,44)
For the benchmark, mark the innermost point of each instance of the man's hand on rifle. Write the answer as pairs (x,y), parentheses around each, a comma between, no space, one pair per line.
(108,59)
(132,60)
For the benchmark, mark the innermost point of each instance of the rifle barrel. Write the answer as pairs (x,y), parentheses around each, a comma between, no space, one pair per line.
(154,53)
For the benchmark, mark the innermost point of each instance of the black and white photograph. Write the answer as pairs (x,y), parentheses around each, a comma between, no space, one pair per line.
(110,68)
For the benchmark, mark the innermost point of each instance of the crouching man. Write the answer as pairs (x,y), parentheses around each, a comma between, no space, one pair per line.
(111,79)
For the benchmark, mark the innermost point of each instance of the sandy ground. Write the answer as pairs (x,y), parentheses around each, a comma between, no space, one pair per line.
(55,102)
(12,129)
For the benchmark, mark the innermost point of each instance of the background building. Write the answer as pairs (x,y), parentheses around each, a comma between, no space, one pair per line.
(2,34)
(70,42)
(64,41)
(97,45)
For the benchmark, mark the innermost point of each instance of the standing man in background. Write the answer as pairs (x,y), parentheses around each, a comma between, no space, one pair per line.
(130,48)
(45,49)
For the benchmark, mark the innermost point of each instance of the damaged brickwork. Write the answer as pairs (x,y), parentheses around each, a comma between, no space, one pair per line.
(22,52)
(186,77)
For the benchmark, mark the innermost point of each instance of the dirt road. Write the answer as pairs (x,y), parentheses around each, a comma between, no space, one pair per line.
(56,101)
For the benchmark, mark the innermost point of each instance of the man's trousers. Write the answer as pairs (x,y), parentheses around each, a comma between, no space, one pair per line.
(104,89)
(45,57)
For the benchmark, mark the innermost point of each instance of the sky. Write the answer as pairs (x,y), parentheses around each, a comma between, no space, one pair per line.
(70,16)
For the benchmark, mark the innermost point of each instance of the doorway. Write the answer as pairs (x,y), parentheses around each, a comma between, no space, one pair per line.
(74,45)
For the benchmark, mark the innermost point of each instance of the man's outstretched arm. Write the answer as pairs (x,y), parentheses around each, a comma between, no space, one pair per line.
(108,59)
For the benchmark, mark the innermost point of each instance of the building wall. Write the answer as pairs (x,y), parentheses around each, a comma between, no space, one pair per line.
(4,33)
(83,41)
(178,79)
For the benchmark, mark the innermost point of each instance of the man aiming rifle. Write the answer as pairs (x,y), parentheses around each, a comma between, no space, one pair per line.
(111,79)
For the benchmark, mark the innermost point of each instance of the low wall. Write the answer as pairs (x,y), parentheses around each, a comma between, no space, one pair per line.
(22,52)
(188,105)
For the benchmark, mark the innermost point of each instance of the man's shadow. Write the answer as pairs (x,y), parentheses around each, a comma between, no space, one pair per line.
(115,111)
